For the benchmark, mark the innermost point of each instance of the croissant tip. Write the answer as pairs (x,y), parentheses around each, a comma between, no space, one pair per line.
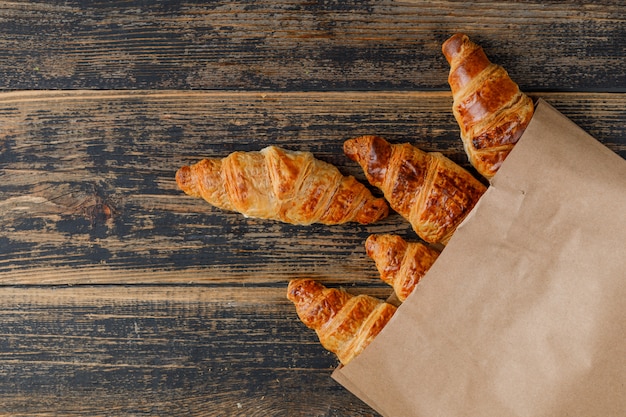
(374,242)
(293,283)
(183,177)
(370,244)
(373,211)
(359,145)
(453,45)
(377,237)
(291,289)
(298,288)
(349,148)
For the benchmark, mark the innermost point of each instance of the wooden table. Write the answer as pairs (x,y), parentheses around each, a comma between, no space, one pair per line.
(123,296)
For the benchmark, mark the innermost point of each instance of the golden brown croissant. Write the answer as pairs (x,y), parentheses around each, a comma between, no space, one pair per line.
(344,323)
(489,107)
(433,193)
(401,264)
(289,186)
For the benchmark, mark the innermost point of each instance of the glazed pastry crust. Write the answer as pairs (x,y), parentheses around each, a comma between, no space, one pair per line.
(429,190)
(489,107)
(401,264)
(345,324)
(277,184)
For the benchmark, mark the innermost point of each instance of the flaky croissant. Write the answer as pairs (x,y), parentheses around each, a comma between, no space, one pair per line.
(429,190)
(401,264)
(489,107)
(344,323)
(277,184)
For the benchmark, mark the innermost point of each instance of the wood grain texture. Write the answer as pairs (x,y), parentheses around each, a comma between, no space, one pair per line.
(304,45)
(121,295)
(162,351)
(88,180)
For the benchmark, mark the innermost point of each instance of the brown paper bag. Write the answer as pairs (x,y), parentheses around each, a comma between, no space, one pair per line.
(523,314)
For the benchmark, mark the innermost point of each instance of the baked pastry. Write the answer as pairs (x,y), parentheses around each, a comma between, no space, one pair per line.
(429,190)
(489,107)
(277,184)
(344,323)
(401,264)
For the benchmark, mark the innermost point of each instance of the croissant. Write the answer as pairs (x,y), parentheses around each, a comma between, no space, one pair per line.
(344,323)
(429,190)
(401,264)
(489,107)
(277,184)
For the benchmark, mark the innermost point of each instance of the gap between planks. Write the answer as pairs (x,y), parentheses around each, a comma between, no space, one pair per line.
(29,96)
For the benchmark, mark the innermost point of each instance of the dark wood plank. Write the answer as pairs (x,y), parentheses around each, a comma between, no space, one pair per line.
(199,351)
(88,192)
(304,45)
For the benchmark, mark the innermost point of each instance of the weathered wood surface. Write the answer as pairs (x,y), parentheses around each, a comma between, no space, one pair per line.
(88,185)
(162,351)
(305,45)
(123,296)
